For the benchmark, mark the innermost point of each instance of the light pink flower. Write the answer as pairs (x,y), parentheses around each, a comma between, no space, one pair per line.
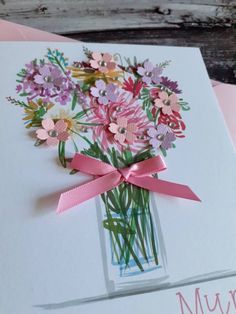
(53,132)
(123,130)
(102,62)
(125,106)
(168,104)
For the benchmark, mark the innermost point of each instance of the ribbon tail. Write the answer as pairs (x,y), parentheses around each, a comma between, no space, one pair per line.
(164,187)
(88,190)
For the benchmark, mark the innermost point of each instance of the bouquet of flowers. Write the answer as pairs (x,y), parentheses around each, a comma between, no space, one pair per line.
(125,111)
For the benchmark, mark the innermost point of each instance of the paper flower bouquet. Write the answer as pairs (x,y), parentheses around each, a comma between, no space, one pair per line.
(120,111)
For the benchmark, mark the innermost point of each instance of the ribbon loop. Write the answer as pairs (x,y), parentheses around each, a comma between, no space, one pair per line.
(108,177)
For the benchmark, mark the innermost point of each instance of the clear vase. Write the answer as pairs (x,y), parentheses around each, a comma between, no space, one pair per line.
(131,239)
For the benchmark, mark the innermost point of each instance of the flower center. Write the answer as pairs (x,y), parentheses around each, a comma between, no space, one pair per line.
(149,74)
(121,130)
(102,92)
(118,109)
(160,137)
(167,102)
(102,63)
(48,79)
(172,125)
(53,133)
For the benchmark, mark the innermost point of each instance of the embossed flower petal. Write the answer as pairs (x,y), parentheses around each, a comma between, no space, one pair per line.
(141,71)
(156,75)
(113,128)
(173,98)
(163,95)
(39,79)
(158,103)
(167,110)
(97,56)
(100,84)
(120,138)
(94,64)
(52,141)
(45,71)
(107,57)
(112,95)
(42,134)
(122,122)
(167,142)
(111,66)
(94,91)
(103,100)
(48,124)
(155,142)
(148,66)
(152,132)
(131,127)
(60,126)
(146,79)
(55,72)
(175,107)
(63,136)
(130,137)
(103,69)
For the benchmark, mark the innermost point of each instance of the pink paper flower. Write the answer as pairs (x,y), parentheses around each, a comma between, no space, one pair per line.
(168,104)
(125,106)
(123,130)
(53,132)
(102,62)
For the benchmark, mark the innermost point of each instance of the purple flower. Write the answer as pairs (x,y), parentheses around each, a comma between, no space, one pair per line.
(150,73)
(18,88)
(63,98)
(171,85)
(103,92)
(49,77)
(46,81)
(162,136)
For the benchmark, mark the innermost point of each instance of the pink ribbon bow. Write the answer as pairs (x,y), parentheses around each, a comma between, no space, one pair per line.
(108,177)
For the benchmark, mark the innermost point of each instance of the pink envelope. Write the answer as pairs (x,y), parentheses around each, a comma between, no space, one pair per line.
(225,93)
(16,32)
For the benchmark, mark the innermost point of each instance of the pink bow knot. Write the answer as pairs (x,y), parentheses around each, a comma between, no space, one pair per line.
(108,177)
(125,173)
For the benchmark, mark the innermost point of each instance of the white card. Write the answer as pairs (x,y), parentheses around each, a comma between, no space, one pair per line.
(61,262)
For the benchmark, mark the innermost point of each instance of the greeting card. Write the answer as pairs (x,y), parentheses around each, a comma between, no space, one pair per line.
(126,144)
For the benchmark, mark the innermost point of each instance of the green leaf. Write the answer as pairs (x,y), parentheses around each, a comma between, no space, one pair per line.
(184,105)
(80,114)
(164,153)
(128,157)
(74,171)
(85,87)
(38,142)
(74,101)
(118,225)
(24,94)
(61,153)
